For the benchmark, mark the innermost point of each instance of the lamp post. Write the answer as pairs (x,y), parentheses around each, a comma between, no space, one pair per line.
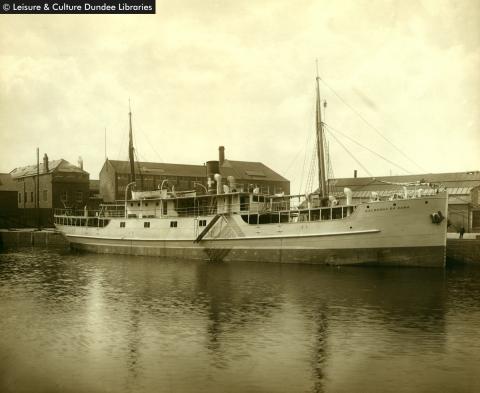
(126,195)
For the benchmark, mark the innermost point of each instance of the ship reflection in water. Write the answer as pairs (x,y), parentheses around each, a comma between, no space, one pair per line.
(93,323)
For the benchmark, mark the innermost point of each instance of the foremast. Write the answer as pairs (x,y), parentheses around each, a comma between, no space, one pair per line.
(322,180)
(130,145)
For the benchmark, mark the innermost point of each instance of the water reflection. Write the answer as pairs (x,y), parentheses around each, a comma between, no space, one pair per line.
(97,323)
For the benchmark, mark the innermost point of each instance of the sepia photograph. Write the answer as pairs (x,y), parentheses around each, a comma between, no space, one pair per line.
(262,196)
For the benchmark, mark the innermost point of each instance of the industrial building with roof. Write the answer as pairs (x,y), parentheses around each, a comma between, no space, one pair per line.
(462,187)
(60,185)
(115,175)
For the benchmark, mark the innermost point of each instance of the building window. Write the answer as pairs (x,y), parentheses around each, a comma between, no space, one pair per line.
(44,195)
(476,219)
(173,224)
(79,196)
(19,197)
(64,196)
(122,224)
(146,224)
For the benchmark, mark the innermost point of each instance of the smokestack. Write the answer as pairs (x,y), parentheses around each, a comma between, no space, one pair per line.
(221,154)
(355,173)
(80,163)
(45,162)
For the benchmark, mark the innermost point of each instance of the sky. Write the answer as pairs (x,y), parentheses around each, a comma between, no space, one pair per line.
(399,77)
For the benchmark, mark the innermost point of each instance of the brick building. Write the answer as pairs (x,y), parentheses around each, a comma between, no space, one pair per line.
(8,202)
(463,193)
(115,175)
(61,185)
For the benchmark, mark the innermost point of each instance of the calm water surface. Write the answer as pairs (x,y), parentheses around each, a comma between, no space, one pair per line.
(93,323)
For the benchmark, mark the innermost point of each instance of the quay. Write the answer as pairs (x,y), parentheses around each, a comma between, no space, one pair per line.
(466,250)
(46,238)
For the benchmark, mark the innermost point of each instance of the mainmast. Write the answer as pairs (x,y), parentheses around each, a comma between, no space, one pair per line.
(322,181)
(130,145)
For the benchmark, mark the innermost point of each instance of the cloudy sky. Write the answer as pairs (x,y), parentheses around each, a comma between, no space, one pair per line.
(401,78)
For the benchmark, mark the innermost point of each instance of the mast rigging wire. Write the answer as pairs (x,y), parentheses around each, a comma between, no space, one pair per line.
(349,153)
(365,147)
(370,125)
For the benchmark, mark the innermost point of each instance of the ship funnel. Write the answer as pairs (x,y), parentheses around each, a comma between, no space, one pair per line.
(212,169)
(348,195)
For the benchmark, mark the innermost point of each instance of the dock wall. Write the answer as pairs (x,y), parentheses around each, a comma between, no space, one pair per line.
(463,251)
(31,238)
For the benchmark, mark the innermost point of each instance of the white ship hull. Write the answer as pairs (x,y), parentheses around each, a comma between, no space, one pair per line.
(399,232)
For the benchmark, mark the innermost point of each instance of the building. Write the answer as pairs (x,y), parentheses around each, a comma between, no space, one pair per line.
(9,216)
(115,175)
(60,185)
(462,187)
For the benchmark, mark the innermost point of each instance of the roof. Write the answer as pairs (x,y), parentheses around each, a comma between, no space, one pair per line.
(250,170)
(53,166)
(244,170)
(7,183)
(450,180)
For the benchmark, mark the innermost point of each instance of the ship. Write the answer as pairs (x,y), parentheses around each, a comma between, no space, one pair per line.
(228,223)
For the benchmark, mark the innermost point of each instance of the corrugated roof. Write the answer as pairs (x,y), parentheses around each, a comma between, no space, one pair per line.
(53,166)
(7,183)
(244,170)
(450,180)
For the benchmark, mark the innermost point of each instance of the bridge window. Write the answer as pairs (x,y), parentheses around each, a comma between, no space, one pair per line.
(173,224)
(146,224)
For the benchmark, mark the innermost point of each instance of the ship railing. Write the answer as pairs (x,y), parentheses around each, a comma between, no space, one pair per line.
(89,213)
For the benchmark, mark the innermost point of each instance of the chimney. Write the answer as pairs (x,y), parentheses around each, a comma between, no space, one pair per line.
(80,163)
(45,163)
(355,173)
(221,155)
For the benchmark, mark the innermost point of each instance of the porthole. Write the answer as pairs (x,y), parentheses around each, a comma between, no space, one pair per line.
(426,202)
(394,204)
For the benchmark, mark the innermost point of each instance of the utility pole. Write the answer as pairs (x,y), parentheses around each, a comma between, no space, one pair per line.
(37,191)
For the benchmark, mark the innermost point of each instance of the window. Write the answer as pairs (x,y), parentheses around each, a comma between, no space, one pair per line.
(164,205)
(173,224)
(122,224)
(44,195)
(146,224)
(64,196)
(202,223)
(79,196)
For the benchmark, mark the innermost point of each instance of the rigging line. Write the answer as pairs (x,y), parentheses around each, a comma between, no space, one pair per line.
(365,147)
(372,126)
(351,155)
(151,145)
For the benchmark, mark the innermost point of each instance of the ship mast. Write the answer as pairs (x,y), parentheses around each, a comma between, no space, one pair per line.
(322,182)
(130,145)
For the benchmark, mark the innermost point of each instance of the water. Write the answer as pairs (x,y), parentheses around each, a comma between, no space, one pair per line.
(94,323)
